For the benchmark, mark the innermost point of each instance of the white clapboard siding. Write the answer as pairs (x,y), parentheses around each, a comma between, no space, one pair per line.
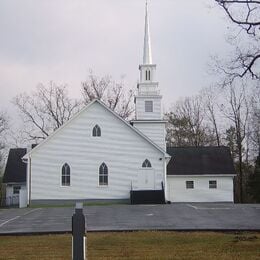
(140,108)
(177,191)
(155,131)
(121,148)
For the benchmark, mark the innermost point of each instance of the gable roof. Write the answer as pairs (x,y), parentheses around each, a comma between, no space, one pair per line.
(108,109)
(15,170)
(200,161)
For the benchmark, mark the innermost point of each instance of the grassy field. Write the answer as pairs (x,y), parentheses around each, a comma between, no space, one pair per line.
(136,245)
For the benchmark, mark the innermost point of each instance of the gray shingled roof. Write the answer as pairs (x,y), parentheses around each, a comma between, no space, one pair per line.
(200,161)
(15,170)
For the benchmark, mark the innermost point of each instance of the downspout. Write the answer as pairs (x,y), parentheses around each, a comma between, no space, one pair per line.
(26,161)
(29,191)
(166,161)
(165,180)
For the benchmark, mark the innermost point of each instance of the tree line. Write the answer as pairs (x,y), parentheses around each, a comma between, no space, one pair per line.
(216,116)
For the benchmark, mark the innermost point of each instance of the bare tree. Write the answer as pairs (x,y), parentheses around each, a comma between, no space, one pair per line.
(254,131)
(236,111)
(3,128)
(112,93)
(3,123)
(210,96)
(246,58)
(186,124)
(45,110)
(244,13)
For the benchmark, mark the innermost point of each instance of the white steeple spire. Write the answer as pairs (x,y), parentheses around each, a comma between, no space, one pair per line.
(148,107)
(147,58)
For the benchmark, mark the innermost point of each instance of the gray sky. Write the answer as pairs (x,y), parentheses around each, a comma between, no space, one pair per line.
(60,40)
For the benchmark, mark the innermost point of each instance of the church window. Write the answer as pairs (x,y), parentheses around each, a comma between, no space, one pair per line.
(149,106)
(96,131)
(147,75)
(189,184)
(146,164)
(212,184)
(16,189)
(103,174)
(65,175)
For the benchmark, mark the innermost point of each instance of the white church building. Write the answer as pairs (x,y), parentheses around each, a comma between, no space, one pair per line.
(97,155)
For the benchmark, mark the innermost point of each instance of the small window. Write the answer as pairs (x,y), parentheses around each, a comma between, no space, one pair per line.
(147,75)
(148,106)
(96,131)
(16,189)
(103,174)
(146,164)
(65,175)
(212,184)
(189,184)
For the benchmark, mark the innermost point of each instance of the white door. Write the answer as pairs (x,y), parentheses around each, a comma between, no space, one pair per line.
(170,189)
(146,179)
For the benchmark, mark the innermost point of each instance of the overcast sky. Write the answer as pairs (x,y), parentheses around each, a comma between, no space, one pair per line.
(60,40)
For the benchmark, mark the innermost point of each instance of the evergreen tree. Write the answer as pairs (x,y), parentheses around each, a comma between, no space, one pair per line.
(254,181)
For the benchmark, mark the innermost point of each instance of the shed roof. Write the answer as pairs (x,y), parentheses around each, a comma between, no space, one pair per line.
(15,170)
(200,161)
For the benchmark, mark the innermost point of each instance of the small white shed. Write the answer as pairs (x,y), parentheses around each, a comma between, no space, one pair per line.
(200,174)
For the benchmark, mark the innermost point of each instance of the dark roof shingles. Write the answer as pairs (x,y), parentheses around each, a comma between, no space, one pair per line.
(200,161)
(15,170)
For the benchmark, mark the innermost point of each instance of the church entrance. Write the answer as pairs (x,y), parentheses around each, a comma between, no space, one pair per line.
(146,179)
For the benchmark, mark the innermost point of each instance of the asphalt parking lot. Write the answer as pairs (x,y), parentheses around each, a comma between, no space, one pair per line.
(183,216)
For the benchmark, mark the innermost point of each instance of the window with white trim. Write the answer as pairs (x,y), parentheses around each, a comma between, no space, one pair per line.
(189,184)
(65,175)
(212,184)
(103,174)
(146,164)
(96,131)
(148,106)
(16,189)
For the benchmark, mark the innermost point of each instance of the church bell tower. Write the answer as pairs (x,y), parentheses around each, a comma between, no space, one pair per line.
(148,109)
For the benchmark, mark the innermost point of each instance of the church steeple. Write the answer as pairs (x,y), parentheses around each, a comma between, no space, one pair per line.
(148,98)
(147,55)
(148,108)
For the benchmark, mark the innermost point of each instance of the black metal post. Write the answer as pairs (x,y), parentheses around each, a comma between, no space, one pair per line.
(78,233)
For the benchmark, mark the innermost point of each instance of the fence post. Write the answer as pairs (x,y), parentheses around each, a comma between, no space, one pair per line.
(78,233)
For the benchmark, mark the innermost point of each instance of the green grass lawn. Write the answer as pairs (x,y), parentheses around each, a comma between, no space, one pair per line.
(136,245)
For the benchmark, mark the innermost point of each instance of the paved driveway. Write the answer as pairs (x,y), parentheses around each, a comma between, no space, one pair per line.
(193,216)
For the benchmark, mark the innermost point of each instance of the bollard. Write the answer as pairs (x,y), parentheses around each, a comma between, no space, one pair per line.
(78,233)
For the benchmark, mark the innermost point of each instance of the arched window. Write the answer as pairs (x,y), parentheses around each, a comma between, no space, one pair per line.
(103,174)
(147,75)
(96,131)
(65,175)
(146,164)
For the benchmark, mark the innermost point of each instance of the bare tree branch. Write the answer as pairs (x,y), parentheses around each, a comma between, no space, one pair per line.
(111,93)
(186,124)
(245,14)
(236,110)
(45,110)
